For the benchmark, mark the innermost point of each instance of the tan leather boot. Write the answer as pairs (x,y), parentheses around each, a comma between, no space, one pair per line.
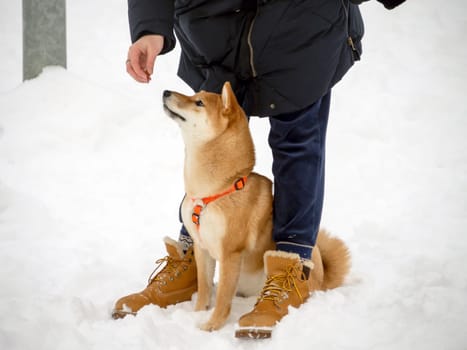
(174,283)
(286,285)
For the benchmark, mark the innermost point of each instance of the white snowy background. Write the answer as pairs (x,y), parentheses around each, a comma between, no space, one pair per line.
(91,180)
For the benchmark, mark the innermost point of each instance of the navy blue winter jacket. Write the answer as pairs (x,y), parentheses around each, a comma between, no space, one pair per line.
(279,55)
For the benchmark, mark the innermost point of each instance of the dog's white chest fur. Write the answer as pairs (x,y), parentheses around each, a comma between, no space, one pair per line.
(210,232)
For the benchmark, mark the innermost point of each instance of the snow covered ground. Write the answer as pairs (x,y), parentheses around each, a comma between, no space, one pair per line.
(91,179)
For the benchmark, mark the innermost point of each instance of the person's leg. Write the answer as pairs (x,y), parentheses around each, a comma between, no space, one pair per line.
(297,142)
(184,238)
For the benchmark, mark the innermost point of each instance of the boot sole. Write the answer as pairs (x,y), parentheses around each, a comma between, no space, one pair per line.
(253,333)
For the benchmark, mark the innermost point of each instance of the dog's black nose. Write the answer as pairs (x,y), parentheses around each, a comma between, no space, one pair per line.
(166,93)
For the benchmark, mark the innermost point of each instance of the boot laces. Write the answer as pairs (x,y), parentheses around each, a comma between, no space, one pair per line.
(278,287)
(163,272)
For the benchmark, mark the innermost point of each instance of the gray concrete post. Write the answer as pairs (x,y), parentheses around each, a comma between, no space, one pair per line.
(44,35)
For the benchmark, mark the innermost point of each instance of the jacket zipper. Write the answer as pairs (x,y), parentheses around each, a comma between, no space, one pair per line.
(250,45)
(350,42)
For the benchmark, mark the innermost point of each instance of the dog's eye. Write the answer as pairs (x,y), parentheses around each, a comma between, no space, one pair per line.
(199,103)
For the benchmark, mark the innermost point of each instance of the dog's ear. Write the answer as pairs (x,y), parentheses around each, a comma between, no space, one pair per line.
(229,100)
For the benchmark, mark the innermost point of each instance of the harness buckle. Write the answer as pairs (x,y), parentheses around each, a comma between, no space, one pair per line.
(195,216)
(239,184)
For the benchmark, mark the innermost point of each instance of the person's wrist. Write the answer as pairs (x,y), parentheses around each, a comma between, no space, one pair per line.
(156,41)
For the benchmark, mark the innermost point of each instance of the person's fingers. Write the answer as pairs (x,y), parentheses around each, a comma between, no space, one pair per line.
(132,73)
(150,60)
(142,56)
(136,57)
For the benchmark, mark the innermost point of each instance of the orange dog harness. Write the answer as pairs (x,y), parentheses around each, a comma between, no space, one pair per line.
(203,202)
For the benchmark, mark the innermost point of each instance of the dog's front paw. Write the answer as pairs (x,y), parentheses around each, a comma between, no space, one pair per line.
(211,326)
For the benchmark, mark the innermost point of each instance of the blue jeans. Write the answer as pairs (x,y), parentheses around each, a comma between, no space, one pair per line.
(297,141)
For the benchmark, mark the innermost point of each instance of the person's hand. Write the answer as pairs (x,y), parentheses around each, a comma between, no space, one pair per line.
(142,55)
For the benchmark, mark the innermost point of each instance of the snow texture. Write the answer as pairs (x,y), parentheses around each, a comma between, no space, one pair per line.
(91,181)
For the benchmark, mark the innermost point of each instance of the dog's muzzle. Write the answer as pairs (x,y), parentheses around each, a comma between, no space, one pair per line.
(165,96)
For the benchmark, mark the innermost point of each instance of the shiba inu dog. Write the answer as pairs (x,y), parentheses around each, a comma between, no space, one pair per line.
(228,208)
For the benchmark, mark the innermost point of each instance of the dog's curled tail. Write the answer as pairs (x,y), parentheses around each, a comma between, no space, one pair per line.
(336,260)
